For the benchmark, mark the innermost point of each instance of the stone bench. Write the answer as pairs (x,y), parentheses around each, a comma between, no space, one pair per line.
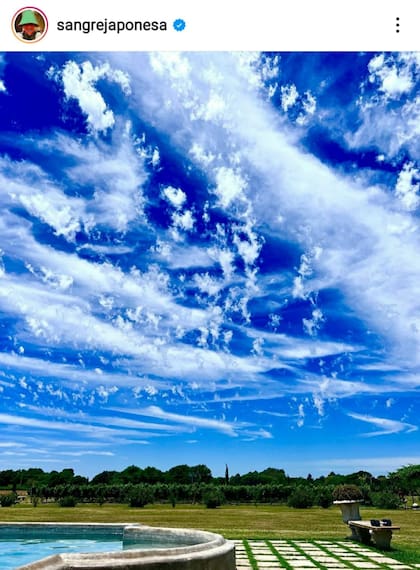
(365,532)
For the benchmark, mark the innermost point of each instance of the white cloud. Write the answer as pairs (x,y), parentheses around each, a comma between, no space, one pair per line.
(386,426)
(79,83)
(229,185)
(301,416)
(194,421)
(390,115)
(42,198)
(406,189)
(289,96)
(184,221)
(393,74)
(175,196)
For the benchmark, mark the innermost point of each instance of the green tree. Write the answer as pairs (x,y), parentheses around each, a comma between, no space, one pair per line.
(180,474)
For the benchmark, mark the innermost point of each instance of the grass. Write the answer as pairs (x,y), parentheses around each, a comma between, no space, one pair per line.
(239,522)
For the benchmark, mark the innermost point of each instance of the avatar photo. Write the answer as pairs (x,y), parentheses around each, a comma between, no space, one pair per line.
(29,25)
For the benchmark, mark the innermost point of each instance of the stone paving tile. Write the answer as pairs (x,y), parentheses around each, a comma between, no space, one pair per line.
(399,566)
(325,559)
(364,564)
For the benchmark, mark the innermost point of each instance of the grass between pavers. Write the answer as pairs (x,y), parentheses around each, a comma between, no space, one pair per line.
(234,521)
(250,555)
(276,553)
(313,560)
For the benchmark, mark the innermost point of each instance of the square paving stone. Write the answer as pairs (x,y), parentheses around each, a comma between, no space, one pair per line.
(288,547)
(391,561)
(399,566)
(364,564)
(260,549)
(325,558)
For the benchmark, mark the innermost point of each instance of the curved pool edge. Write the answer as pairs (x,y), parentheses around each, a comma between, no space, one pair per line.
(210,551)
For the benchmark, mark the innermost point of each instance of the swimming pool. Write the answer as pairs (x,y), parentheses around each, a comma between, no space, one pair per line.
(16,552)
(22,544)
(56,546)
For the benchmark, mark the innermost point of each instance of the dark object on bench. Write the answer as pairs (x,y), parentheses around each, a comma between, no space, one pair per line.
(365,532)
(386,522)
(375,522)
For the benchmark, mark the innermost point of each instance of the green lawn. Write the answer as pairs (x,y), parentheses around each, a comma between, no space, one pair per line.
(244,521)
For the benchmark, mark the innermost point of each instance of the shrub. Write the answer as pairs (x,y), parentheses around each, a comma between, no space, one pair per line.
(386,500)
(141,496)
(8,500)
(213,498)
(323,497)
(347,493)
(301,498)
(67,501)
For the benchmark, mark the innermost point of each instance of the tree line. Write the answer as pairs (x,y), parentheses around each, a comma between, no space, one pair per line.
(196,484)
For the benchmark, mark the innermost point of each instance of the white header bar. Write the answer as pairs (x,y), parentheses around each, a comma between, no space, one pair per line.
(215,25)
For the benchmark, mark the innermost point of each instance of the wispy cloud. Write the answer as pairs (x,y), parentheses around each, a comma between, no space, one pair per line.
(387,427)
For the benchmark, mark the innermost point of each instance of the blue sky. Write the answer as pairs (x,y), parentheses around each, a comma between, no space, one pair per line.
(209,258)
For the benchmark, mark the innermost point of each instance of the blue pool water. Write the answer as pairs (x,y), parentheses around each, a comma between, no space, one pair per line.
(17,552)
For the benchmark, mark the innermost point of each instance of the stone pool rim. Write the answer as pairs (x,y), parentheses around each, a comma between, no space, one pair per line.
(209,550)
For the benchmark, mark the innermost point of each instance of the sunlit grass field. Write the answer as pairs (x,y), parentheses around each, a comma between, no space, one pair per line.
(242,521)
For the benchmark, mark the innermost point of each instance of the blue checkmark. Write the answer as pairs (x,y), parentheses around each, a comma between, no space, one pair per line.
(179,24)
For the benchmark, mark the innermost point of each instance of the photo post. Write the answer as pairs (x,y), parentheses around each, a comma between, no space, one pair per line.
(209,285)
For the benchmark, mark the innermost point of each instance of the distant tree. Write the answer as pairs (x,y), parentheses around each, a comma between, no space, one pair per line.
(301,498)
(79,480)
(141,496)
(406,480)
(227,475)
(386,500)
(271,475)
(180,474)
(7,478)
(200,474)
(132,474)
(213,497)
(63,477)
(67,501)
(152,475)
(106,478)
(323,496)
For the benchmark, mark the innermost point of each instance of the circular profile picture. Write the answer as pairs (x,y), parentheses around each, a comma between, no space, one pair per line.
(29,24)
